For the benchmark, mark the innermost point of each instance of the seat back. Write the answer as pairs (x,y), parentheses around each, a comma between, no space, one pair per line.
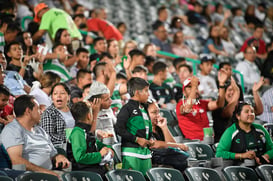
(117,148)
(239,173)
(123,174)
(265,172)
(200,151)
(35,176)
(201,173)
(81,175)
(155,174)
(5,178)
(269,128)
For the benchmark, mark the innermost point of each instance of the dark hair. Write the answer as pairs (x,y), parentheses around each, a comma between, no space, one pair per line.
(79,111)
(157,25)
(94,97)
(136,52)
(149,60)
(259,25)
(109,42)
(4,90)
(58,34)
(78,15)
(222,64)
(120,24)
(7,5)
(21,103)
(105,54)
(160,9)
(80,50)
(20,38)
(98,67)
(140,68)
(238,110)
(5,18)
(56,45)
(217,6)
(158,67)
(187,66)
(86,86)
(96,40)
(216,40)
(135,84)
(76,6)
(66,88)
(7,47)
(173,22)
(178,61)
(48,79)
(121,75)
(81,73)
(13,26)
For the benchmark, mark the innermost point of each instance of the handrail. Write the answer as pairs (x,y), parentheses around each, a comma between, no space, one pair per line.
(23,21)
(194,62)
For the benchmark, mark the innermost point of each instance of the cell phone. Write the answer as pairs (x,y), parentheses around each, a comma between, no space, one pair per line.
(262,160)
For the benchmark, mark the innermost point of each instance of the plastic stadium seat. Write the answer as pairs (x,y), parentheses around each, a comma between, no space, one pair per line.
(265,172)
(37,177)
(123,174)
(239,173)
(5,178)
(81,175)
(170,174)
(200,151)
(201,173)
(117,148)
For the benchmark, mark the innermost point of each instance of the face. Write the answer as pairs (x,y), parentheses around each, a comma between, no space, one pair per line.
(35,112)
(85,92)
(100,46)
(15,52)
(258,33)
(151,51)
(3,61)
(142,75)
(83,59)
(183,74)
(247,115)
(105,101)
(187,92)
(61,49)
(4,99)
(143,94)
(122,29)
(154,112)
(139,60)
(164,74)
(206,67)
(228,70)
(179,38)
(65,38)
(87,79)
(164,14)
(224,33)
(129,47)
(27,39)
(229,94)
(10,36)
(80,10)
(214,31)
(113,48)
(250,54)
(121,81)
(60,97)
(161,33)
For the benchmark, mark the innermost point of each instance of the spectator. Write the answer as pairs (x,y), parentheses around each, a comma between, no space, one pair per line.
(5,19)
(256,41)
(176,24)
(105,118)
(176,63)
(121,26)
(100,45)
(162,17)
(149,63)
(207,14)
(260,11)
(78,9)
(250,17)
(87,153)
(27,143)
(140,71)
(194,16)
(137,58)
(150,50)
(135,128)
(26,42)
(207,87)
(236,143)
(248,68)
(213,43)
(179,48)
(12,30)
(85,91)
(57,65)
(41,90)
(113,50)
(129,45)
(228,45)
(101,13)
(268,22)
(238,21)
(82,55)
(267,71)
(6,109)
(52,20)
(267,114)
(83,78)
(161,37)
(160,90)
(162,133)
(192,112)
(57,117)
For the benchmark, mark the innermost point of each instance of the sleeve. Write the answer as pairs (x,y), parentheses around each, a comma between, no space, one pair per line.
(241,67)
(120,127)
(54,126)
(244,46)
(225,145)
(79,147)
(45,22)
(12,136)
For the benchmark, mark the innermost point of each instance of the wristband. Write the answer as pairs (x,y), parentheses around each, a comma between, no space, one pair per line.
(222,86)
(240,156)
(136,140)
(23,67)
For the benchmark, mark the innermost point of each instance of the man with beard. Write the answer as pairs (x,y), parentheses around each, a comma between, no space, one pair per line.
(192,113)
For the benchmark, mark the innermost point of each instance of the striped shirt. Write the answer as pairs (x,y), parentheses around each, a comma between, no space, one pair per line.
(58,68)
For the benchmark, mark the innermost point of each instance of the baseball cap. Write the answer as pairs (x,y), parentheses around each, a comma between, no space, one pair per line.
(206,58)
(187,82)
(37,9)
(97,88)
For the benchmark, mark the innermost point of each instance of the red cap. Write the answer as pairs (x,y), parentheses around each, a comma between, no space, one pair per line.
(187,82)
(37,9)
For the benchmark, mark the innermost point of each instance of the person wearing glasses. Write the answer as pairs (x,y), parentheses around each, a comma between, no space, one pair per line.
(245,139)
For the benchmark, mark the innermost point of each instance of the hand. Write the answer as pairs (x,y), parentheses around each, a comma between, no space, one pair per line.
(10,118)
(157,144)
(102,134)
(249,155)
(113,153)
(258,85)
(183,147)
(222,76)
(117,60)
(127,62)
(96,104)
(62,159)
(143,142)
(227,14)
(26,60)
(194,81)
(161,122)
(103,151)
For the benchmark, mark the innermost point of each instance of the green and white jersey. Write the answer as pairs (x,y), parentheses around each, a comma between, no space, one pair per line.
(58,68)
(116,100)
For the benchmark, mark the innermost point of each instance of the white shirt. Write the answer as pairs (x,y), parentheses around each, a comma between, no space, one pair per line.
(41,97)
(207,86)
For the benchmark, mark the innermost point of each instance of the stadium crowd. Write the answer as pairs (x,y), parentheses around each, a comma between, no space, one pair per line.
(77,77)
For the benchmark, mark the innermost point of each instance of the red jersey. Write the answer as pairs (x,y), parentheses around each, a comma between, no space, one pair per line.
(259,43)
(109,30)
(192,124)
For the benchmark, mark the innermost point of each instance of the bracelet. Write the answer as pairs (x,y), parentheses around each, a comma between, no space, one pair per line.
(240,156)
(23,67)
(222,86)
(136,140)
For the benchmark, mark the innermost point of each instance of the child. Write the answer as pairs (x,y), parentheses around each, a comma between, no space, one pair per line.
(82,61)
(135,128)
(88,154)
(6,109)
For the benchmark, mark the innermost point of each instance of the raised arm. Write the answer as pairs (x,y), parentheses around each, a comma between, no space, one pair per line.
(258,109)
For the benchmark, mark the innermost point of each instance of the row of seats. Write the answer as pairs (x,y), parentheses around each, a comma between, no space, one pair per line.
(231,173)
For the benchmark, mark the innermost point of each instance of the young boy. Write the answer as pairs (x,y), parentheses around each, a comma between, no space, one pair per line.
(6,109)
(135,128)
(4,20)
(82,55)
(88,153)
